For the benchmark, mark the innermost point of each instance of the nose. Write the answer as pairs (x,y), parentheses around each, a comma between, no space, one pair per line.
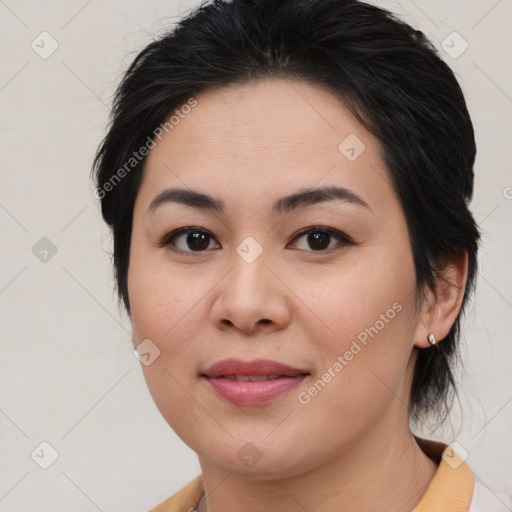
(251,298)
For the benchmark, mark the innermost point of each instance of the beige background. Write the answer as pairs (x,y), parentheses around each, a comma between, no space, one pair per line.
(67,372)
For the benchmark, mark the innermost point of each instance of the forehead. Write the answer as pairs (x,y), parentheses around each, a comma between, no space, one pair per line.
(266,116)
(265,135)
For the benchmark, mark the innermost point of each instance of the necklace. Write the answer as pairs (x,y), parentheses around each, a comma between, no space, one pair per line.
(198,503)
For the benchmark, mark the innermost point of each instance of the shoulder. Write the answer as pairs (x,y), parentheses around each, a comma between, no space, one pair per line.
(185,499)
(487,500)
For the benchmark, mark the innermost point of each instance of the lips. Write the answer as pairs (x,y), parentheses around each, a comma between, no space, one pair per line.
(252,382)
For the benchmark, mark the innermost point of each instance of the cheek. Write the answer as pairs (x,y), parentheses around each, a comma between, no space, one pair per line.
(364,356)
(366,293)
(164,309)
(162,302)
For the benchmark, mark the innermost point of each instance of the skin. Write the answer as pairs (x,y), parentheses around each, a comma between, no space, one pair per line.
(350,447)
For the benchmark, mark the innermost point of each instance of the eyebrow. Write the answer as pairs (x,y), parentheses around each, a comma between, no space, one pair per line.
(299,199)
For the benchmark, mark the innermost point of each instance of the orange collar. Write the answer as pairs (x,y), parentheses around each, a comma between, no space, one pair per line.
(451,489)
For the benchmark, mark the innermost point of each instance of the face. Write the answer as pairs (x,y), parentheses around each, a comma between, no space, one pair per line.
(283,328)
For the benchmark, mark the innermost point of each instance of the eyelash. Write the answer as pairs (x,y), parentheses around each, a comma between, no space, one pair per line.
(341,237)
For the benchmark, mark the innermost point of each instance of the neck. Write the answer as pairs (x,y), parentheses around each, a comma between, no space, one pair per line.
(378,472)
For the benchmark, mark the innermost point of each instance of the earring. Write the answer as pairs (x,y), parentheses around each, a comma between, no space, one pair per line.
(431,339)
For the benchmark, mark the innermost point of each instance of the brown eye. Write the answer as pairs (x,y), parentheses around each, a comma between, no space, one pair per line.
(319,238)
(195,240)
(188,239)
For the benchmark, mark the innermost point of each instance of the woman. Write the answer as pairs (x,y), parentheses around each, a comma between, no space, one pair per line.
(287,185)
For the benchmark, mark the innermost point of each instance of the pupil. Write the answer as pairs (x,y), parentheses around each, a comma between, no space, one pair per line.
(318,240)
(197,241)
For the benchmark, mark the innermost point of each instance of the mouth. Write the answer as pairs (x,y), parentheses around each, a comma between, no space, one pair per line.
(251,378)
(252,382)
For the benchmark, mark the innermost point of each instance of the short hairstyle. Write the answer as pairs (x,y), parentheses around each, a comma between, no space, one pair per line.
(389,76)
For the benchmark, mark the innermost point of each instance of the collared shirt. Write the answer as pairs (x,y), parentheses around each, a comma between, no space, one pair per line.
(454,488)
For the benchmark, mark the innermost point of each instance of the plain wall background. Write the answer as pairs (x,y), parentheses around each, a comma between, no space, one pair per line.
(67,372)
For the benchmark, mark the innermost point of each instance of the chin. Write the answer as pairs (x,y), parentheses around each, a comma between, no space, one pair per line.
(258,460)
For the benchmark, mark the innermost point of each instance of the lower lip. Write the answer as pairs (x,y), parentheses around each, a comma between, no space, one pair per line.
(253,393)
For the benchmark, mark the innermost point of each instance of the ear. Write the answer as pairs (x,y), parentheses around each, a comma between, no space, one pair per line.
(442,305)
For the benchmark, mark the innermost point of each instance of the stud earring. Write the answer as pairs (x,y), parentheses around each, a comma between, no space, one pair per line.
(431,339)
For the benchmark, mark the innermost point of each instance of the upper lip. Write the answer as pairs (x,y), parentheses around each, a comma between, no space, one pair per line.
(234,366)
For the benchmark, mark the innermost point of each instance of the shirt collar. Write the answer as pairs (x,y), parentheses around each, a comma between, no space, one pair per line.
(451,489)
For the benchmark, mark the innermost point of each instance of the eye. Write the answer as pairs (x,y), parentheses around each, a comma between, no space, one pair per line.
(188,239)
(319,238)
(196,240)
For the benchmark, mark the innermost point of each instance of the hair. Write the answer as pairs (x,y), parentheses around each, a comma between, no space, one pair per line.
(389,76)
